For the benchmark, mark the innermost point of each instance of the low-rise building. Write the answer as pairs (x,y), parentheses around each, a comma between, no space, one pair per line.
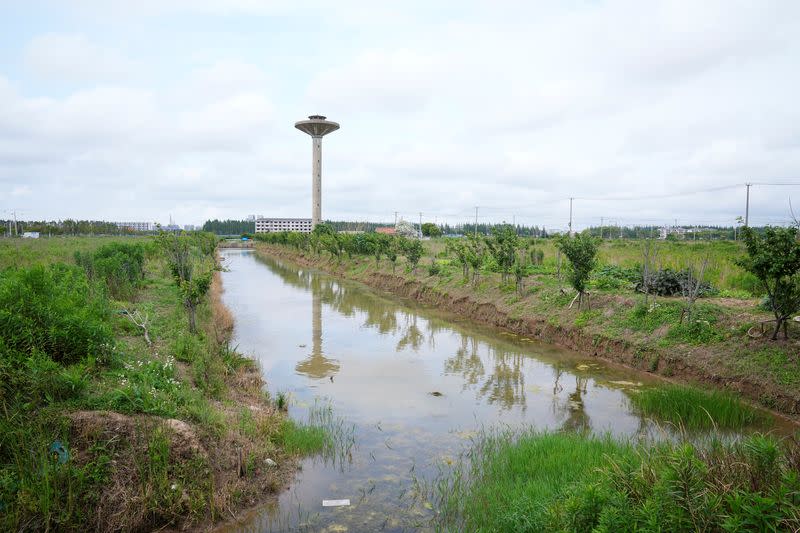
(135,226)
(30,235)
(270,225)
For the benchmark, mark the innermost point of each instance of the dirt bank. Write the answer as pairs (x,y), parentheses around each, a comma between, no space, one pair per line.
(186,475)
(681,363)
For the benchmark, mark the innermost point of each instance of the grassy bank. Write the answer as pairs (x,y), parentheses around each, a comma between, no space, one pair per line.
(572,482)
(713,348)
(116,416)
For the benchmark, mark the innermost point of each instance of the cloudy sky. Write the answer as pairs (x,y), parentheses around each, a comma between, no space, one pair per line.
(645,112)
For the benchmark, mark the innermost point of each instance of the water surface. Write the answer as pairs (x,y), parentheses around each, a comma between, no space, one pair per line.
(415,383)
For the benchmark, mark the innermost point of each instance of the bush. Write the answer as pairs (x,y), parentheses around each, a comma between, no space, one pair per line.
(54,311)
(615,277)
(434,268)
(35,380)
(119,265)
(668,282)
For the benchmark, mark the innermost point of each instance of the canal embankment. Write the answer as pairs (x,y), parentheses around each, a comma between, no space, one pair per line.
(548,319)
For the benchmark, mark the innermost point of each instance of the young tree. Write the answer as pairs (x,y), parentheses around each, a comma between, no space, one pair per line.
(183,253)
(413,253)
(691,289)
(648,262)
(379,246)
(774,258)
(459,248)
(520,271)
(503,246)
(393,250)
(193,291)
(581,252)
(475,254)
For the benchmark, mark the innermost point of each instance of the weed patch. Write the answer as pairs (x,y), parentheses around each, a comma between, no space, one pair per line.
(694,408)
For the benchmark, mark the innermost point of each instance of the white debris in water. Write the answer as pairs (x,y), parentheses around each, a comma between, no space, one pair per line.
(335,503)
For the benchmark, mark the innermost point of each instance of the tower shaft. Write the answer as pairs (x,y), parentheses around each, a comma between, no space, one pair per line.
(316,181)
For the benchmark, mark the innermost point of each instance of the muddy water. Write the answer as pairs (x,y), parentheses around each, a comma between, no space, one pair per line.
(415,384)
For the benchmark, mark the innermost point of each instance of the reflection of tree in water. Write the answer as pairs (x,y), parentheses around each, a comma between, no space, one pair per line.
(384,318)
(412,336)
(574,408)
(504,384)
(467,362)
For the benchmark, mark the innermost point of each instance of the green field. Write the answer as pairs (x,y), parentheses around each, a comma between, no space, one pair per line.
(101,429)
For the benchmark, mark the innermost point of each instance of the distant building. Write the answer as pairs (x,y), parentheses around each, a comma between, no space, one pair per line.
(386,230)
(30,235)
(666,231)
(189,227)
(270,225)
(135,226)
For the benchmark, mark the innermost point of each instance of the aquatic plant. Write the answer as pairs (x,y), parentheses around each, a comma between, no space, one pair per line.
(693,408)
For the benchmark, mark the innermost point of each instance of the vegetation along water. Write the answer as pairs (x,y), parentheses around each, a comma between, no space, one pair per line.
(487,383)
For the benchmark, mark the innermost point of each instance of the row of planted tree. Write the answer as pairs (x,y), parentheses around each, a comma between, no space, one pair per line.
(324,238)
(504,250)
(772,257)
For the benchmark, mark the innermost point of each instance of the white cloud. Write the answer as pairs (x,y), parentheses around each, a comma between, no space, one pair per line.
(514,105)
(73,58)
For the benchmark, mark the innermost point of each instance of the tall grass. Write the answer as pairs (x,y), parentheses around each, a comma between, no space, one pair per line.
(693,408)
(574,483)
(323,432)
(507,480)
(44,251)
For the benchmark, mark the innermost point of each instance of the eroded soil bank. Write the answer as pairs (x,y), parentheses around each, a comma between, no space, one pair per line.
(690,364)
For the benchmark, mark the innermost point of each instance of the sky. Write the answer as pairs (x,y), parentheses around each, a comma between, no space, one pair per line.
(644,112)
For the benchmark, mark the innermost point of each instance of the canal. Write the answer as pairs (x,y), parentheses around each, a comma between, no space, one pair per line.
(412,386)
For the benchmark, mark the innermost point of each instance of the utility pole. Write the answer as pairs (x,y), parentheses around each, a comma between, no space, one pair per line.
(420,225)
(476,220)
(570,216)
(601,227)
(16,230)
(747,206)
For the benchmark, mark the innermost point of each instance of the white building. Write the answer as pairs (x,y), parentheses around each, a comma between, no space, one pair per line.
(30,235)
(135,226)
(269,225)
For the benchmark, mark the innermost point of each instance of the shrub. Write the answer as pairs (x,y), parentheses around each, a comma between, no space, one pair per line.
(119,265)
(36,379)
(434,268)
(54,311)
(668,282)
(615,277)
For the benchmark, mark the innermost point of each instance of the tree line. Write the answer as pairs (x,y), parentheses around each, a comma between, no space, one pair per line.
(65,227)
(229,226)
